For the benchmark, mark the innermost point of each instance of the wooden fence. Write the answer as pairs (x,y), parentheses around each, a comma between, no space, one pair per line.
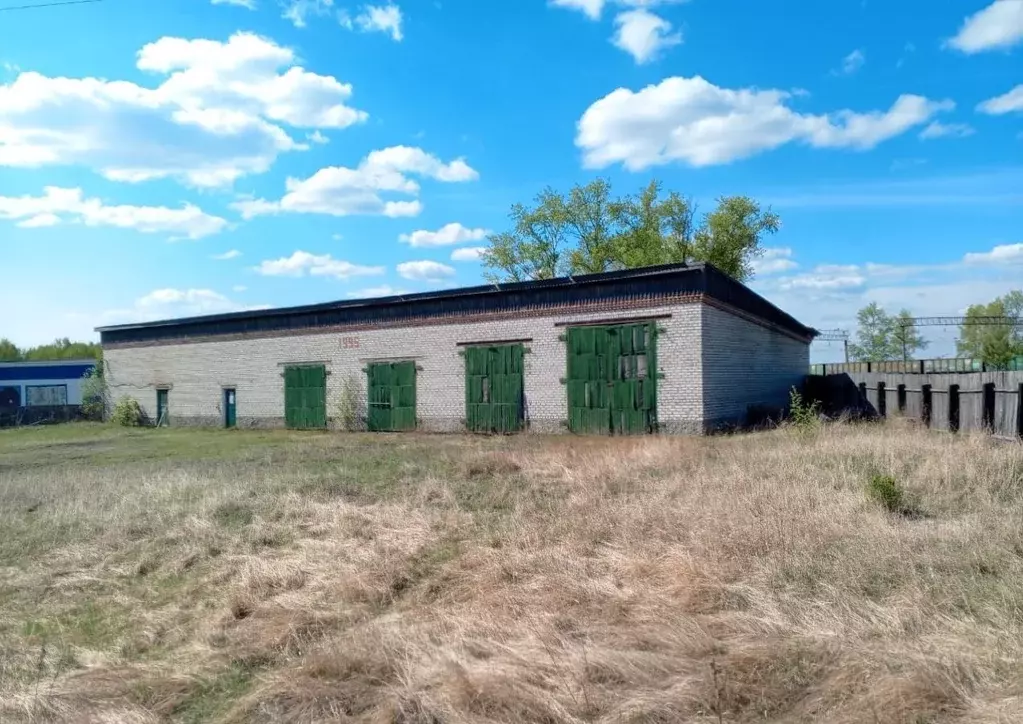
(947,401)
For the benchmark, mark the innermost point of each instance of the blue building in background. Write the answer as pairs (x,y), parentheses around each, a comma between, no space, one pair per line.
(43,384)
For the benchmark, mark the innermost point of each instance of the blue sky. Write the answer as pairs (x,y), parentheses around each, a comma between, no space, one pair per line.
(191,156)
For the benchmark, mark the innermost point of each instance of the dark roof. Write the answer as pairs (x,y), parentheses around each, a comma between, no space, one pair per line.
(485,299)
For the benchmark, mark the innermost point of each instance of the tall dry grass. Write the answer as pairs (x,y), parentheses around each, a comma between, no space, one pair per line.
(734,579)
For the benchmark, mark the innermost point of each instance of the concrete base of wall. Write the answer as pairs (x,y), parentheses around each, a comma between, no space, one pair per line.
(444,425)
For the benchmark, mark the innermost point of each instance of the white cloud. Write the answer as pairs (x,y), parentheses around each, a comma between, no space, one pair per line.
(248,4)
(67,205)
(341,191)
(1007,103)
(937,129)
(425,271)
(643,35)
(998,26)
(852,62)
(298,11)
(218,115)
(384,290)
(173,303)
(302,263)
(227,255)
(470,253)
(317,137)
(999,255)
(696,122)
(774,261)
(591,8)
(376,19)
(447,235)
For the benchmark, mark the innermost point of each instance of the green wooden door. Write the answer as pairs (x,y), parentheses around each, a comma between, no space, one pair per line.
(493,388)
(612,380)
(163,408)
(392,396)
(305,397)
(230,408)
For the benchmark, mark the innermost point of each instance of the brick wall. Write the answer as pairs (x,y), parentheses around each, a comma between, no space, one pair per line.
(745,364)
(197,372)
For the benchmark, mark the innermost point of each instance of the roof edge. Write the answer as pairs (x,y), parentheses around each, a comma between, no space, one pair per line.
(456,293)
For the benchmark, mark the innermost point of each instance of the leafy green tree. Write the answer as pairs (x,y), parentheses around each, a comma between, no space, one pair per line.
(731,235)
(880,336)
(9,352)
(994,344)
(588,231)
(63,349)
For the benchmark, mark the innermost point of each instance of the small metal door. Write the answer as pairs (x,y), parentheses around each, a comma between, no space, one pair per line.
(162,408)
(230,408)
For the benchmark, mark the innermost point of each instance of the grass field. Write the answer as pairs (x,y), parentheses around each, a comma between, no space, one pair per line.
(227,576)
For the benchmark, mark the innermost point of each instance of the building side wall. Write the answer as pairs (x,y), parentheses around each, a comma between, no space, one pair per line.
(197,373)
(746,364)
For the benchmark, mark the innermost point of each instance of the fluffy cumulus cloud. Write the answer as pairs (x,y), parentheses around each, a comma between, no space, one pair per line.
(341,191)
(774,261)
(376,19)
(644,35)
(696,122)
(1000,255)
(998,26)
(174,303)
(1007,103)
(221,111)
(469,253)
(302,263)
(299,11)
(425,271)
(69,206)
(937,129)
(639,32)
(446,235)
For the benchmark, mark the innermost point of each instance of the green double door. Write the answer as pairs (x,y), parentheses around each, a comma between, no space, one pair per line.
(305,397)
(612,379)
(392,396)
(494,388)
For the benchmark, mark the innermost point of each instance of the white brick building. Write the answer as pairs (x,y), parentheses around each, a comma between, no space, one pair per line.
(546,356)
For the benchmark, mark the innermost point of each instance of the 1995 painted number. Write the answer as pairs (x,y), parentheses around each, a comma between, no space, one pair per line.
(349,342)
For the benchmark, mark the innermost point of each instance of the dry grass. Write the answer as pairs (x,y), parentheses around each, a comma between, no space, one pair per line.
(285,578)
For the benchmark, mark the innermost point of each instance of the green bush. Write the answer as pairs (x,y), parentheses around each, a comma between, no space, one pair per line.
(349,403)
(94,393)
(127,413)
(804,415)
(885,489)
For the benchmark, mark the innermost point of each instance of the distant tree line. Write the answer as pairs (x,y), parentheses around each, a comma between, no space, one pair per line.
(59,349)
(881,336)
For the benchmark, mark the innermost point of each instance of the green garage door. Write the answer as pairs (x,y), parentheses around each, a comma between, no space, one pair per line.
(392,396)
(612,379)
(305,397)
(493,388)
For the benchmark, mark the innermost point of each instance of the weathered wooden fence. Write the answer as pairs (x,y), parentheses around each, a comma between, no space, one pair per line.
(955,401)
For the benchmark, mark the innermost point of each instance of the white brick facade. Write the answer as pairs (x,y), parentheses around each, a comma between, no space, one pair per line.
(197,372)
(747,365)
